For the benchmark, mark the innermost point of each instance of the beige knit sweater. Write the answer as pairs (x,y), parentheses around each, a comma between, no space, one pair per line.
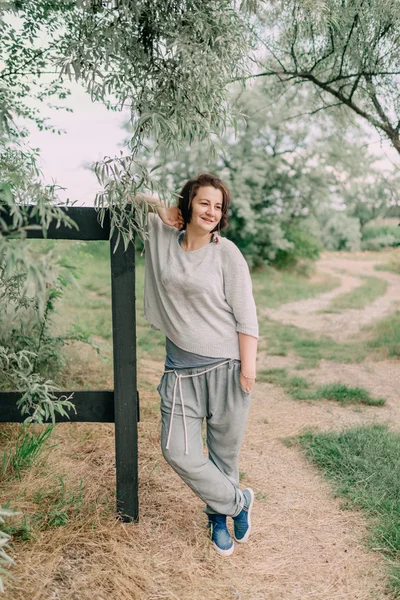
(200,299)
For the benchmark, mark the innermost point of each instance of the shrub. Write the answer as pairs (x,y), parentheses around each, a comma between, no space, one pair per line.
(382,241)
(304,246)
(4,541)
(377,237)
(339,231)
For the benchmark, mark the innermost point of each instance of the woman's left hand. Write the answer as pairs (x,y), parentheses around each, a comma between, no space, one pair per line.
(247,384)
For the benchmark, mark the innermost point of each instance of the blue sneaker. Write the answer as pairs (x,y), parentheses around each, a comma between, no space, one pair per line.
(242,523)
(220,536)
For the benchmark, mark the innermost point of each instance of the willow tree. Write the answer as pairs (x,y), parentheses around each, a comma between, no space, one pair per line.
(169,62)
(347,50)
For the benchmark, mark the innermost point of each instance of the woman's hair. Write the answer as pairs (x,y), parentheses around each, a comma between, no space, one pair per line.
(189,191)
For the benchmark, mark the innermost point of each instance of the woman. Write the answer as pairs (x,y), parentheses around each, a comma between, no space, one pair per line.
(198,292)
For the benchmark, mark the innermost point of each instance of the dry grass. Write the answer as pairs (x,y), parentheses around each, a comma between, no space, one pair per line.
(94,555)
(303,545)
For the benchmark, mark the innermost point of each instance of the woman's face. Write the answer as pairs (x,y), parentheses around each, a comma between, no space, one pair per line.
(206,209)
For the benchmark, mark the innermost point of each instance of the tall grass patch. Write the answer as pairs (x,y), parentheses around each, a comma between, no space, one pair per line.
(385,336)
(301,389)
(28,446)
(362,295)
(363,464)
(344,394)
(376,236)
(392,265)
(272,287)
(284,339)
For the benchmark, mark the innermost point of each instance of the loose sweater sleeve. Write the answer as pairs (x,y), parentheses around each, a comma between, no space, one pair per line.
(239,292)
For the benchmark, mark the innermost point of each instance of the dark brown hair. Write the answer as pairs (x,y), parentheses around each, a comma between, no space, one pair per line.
(189,191)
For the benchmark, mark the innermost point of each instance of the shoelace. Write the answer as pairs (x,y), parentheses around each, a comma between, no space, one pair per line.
(179,379)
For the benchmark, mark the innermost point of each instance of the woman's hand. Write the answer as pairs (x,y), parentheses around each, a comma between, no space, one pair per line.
(247,384)
(171,215)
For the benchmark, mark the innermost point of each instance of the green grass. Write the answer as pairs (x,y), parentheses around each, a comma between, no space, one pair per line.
(272,288)
(393,264)
(296,387)
(362,295)
(87,304)
(301,389)
(363,465)
(57,505)
(383,341)
(28,447)
(385,336)
(347,395)
(283,339)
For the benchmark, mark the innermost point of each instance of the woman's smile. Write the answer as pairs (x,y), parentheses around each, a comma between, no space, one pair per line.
(207,208)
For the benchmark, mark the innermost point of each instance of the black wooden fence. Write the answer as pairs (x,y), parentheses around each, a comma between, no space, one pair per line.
(121,405)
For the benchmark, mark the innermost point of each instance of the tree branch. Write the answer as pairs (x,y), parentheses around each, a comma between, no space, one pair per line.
(307,76)
(327,55)
(375,101)
(6,74)
(292,74)
(292,52)
(312,112)
(355,21)
(355,84)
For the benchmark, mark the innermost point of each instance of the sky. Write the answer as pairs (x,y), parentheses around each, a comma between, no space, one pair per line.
(92,132)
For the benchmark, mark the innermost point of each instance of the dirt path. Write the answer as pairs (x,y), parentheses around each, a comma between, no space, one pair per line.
(305,545)
(346,323)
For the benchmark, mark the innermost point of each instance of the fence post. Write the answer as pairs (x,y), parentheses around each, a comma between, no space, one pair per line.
(125,399)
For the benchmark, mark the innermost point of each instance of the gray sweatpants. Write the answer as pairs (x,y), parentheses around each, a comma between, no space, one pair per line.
(218,397)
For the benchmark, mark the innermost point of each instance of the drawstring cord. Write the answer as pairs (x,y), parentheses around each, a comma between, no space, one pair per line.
(179,379)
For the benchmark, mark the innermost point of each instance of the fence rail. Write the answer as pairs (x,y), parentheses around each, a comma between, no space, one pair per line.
(121,405)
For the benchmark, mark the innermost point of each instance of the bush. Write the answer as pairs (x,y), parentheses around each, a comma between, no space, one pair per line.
(5,559)
(266,238)
(382,241)
(26,314)
(30,356)
(373,231)
(304,247)
(378,237)
(339,231)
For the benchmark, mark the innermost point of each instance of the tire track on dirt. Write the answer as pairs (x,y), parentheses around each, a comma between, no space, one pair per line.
(304,544)
(340,326)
